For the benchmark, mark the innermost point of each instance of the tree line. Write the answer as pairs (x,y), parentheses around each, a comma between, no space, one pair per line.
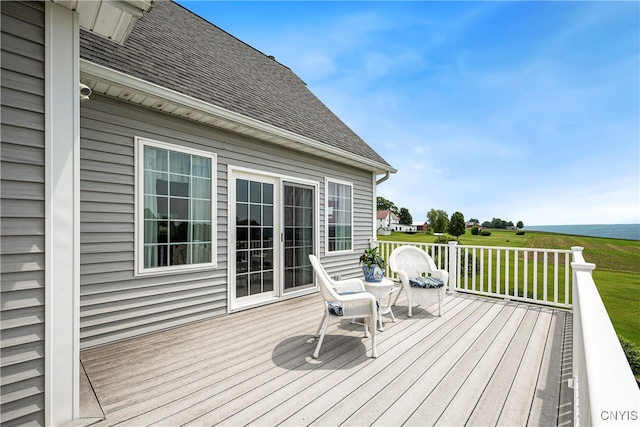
(439,221)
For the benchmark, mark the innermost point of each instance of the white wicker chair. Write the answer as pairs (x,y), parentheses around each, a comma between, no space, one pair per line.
(410,262)
(348,297)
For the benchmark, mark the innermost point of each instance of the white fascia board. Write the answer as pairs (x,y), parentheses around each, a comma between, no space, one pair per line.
(135,8)
(102,73)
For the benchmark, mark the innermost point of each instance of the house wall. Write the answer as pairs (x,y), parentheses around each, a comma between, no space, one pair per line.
(22,211)
(117,305)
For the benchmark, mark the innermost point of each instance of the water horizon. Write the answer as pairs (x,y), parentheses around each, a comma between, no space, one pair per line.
(613,231)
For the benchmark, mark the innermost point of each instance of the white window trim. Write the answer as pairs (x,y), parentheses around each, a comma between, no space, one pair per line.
(326,216)
(140,270)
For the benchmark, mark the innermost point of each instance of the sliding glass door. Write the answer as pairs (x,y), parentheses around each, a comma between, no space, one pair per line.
(299,235)
(274,231)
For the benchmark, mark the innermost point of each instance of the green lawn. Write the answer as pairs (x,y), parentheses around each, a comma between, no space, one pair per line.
(617,273)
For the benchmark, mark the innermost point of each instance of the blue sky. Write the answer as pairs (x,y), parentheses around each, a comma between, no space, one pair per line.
(524,111)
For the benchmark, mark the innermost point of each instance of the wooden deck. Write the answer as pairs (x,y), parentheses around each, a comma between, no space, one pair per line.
(484,362)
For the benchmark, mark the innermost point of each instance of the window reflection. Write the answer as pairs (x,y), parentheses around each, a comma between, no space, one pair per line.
(177,208)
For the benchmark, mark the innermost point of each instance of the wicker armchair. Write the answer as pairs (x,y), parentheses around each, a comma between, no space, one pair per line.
(344,299)
(413,265)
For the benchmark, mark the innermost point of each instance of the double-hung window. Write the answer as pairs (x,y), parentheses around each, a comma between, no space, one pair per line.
(175,208)
(339,213)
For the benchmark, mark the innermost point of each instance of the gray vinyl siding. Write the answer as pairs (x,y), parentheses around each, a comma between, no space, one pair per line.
(22,210)
(115,304)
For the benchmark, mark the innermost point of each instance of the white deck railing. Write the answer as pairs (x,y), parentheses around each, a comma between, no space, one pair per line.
(539,276)
(605,390)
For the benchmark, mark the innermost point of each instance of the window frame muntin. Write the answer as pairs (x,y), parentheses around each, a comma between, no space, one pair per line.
(327,181)
(139,173)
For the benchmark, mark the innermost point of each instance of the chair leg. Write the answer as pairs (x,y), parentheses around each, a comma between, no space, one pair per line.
(325,322)
(397,295)
(374,351)
(410,301)
(320,325)
(393,318)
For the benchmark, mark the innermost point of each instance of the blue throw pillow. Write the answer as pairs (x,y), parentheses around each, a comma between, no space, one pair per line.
(427,282)
(335,308)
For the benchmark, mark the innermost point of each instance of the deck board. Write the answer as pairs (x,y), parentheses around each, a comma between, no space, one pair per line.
(483,362)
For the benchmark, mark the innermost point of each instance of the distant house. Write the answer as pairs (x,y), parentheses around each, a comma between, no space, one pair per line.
(421,225)
(471,224)
(386,219)
(405,228)
(194,182)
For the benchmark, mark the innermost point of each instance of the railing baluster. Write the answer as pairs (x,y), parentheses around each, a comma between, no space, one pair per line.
(481,269)
(506,272)
(490,270)
(525,287)
(566,279)
(535,275)
(473,269)
(544,276)
(555,277)
(466,268)
(498,291)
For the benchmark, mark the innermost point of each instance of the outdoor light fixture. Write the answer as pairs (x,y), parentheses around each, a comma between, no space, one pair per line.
(85,91)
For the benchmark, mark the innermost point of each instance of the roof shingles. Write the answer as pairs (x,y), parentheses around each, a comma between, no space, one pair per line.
(176,49)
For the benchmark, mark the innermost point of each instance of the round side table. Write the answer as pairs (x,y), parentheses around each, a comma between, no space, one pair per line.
(381,290)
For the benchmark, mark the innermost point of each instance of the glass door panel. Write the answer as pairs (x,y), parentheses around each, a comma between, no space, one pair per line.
(298,225)
(254,256)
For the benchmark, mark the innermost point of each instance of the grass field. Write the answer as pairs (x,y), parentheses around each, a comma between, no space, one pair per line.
(617,273)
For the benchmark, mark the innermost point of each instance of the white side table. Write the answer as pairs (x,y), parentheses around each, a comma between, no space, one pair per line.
(380,290)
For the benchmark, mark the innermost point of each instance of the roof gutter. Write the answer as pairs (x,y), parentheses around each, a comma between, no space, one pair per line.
(384,178)
(118,83)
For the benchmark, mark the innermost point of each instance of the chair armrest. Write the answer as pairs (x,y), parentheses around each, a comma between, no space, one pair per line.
(442,275)
(403,276)
(360,303)
(349,285)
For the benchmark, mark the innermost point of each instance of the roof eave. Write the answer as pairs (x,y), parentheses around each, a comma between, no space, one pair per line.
(111,19)
(132,89)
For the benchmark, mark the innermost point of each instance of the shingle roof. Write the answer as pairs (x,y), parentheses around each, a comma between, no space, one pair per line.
(383,214)
(176,49)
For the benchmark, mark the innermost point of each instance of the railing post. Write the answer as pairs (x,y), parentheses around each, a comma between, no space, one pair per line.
(605,390)
(578,264)
(580,394)
(453,266)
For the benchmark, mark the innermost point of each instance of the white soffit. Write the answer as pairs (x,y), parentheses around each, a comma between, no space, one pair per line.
(109,82)
(112,19)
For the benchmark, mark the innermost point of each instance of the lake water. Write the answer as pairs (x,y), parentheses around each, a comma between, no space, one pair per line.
(615,231)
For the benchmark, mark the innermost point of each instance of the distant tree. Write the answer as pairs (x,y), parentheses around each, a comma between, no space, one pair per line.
(520,225)
(456,225)
(499,223)
(474,220)
(475,230)
(438,220)
(486,224)
(384,205)
(404,217)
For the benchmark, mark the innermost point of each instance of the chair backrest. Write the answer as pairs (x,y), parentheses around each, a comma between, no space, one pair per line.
(414,261)
(325,283)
